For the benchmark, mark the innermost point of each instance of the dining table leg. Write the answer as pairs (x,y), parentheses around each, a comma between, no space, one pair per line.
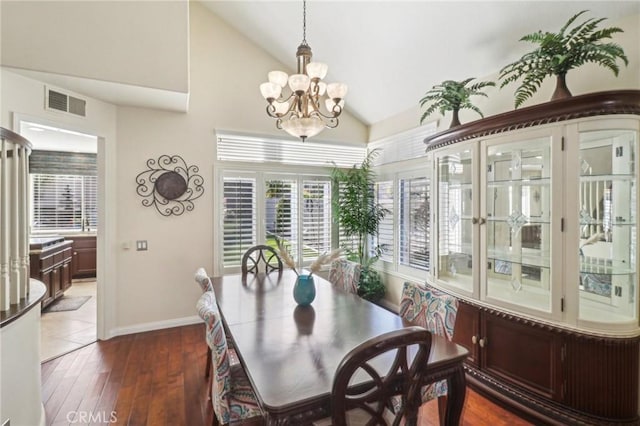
(457,386)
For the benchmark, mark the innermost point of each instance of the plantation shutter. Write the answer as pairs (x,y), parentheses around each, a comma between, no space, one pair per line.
(384,197)
(281,213)
(414,222)
(316,218)
(239,232)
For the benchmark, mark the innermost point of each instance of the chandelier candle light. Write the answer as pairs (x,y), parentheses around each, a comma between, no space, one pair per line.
(301,113)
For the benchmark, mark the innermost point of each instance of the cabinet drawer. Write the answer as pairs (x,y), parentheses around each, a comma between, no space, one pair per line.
(46,262)
(84,242)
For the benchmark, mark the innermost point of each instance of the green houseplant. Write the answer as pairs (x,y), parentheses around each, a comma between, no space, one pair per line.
(453,96)
(560,52)
(359,215)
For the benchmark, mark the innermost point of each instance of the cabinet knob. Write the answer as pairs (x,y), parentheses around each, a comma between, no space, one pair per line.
(482,221)
(483,343)
(474,221)
(474,340)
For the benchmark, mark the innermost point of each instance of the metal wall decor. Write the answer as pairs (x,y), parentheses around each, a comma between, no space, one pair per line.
(169,185)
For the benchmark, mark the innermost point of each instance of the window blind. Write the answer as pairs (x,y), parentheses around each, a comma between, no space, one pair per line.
(316,218)
(281,213)
(244,148)
(239,218)
(414,222)
(64,202)
(384,196)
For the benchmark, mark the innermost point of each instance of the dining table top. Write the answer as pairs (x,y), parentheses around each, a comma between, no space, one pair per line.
(291,352)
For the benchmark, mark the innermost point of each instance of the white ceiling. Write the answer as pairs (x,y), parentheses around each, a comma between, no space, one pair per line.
(390,52)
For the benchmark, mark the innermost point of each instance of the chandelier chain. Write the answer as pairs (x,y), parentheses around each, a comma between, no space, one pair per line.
(304,22)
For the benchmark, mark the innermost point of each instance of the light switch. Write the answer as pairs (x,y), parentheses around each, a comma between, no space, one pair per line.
(141,245)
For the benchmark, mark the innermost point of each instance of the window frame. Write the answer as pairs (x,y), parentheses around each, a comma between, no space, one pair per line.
(86,204)
(406,169)
(261,173)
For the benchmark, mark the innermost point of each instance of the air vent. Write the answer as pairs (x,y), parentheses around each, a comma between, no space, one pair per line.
(62,102)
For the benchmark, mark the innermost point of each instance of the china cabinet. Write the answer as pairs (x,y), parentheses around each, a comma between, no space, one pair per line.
(537,235)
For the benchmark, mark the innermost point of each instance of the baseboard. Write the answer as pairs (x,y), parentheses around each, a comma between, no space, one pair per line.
(156,325)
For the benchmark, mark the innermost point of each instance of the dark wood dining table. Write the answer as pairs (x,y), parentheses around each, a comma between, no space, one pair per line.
(290,352)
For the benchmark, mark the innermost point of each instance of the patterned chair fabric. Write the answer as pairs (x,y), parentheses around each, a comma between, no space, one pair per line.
(345,275)
(203,280)
(434,310)
(233,398)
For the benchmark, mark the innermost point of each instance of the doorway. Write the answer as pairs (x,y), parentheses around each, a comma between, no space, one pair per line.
(64,217)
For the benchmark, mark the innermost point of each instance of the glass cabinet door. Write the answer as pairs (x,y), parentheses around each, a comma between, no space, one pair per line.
(455,215)
(607,249)
(517,208)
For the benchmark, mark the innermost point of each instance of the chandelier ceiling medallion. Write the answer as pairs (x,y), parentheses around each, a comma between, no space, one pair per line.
(306,111)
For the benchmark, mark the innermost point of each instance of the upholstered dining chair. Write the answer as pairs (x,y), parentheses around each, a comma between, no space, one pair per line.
(232,396)
(345,275)
(436,311)
(203,280)
(261,254)
(368,398)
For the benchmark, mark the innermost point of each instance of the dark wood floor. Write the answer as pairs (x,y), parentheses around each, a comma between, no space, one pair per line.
(157,378)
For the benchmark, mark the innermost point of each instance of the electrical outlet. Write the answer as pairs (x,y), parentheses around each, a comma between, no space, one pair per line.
(141,245)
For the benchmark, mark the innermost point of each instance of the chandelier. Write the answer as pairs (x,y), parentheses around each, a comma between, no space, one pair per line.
(312,104)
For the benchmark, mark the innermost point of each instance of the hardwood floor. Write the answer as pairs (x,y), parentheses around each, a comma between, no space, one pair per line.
(157,378)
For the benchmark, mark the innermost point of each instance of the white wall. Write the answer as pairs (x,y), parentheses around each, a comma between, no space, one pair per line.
(101,40)
(586,79)
(22,98)
(156,286)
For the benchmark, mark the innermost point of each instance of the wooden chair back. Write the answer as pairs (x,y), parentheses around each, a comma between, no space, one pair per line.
(261,255)
(360,385)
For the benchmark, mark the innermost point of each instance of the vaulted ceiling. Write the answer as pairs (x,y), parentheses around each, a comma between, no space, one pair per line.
(391,52)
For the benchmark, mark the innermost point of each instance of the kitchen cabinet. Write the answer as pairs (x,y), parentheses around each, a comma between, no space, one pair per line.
(537,235)
(50,262)
(84,256)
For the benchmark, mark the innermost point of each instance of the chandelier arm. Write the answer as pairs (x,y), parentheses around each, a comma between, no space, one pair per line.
(332,123)
(328,117)
(271,111)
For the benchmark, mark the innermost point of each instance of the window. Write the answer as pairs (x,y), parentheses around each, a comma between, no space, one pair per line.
(64,191)
(239,219)
(63,202)
(403,188)
(414,222)
(295,209)
(270,189)
(384,239)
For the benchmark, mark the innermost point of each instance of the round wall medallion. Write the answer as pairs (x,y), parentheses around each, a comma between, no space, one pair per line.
(169,185)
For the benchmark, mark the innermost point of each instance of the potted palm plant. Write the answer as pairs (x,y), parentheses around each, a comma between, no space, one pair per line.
(359,216)
(453,96)
(560,52)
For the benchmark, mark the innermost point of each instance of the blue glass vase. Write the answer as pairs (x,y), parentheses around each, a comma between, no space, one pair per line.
(305,290)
